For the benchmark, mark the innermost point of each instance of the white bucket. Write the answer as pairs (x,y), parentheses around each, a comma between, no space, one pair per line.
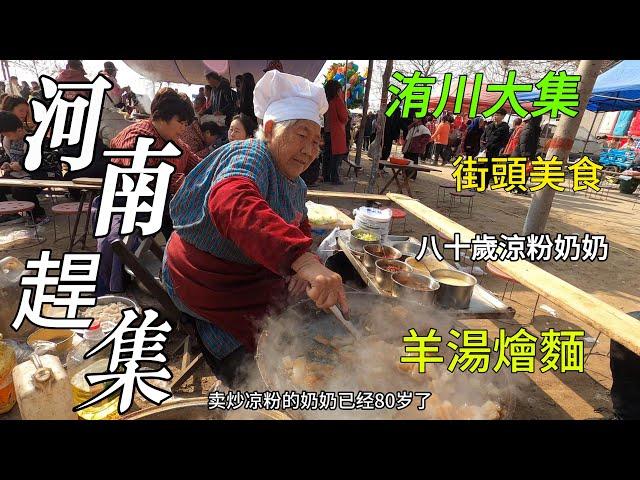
(373,220)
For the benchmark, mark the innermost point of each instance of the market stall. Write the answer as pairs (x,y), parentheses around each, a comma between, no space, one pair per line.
(616,90)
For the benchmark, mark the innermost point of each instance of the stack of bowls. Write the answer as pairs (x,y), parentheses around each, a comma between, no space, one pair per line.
(373,253)
(385,269)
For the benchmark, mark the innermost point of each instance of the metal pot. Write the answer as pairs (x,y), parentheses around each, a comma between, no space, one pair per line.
(409,249)
(383,275)
(373,253)
(357,244)
(415,287)
(299,338)
(60,339)
(107,299)
(450,295)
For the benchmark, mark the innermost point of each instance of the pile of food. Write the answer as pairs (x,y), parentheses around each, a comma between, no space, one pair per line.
(366,236)
(393,268)
(111,312)
(109,315)
(321,214)
(372,363)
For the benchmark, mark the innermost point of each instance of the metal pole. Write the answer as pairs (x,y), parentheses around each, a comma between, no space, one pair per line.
(346,81)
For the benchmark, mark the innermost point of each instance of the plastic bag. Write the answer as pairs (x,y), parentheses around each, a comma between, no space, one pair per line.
(321,214)
(328,246)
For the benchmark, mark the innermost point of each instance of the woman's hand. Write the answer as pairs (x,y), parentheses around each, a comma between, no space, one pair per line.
(325,286)
(297,286)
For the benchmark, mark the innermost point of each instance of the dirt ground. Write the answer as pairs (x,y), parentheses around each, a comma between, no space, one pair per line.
(541,396)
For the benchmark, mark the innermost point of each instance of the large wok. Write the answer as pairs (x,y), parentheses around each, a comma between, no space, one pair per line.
(292,333)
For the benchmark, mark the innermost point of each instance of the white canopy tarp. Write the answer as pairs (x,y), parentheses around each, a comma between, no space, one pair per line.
(193,71)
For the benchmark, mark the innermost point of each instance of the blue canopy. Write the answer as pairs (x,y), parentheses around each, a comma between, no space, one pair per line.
(616,89)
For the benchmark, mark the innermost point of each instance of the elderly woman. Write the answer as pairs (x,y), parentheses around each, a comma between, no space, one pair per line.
(242,238)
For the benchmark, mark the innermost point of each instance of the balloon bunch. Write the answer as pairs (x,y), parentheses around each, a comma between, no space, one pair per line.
(350,78)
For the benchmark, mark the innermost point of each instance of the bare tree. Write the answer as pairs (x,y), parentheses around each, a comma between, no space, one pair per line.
(495,71)
(528,71)
(365,111)
(425,67)
(560,146)
(376,150)
(37,67)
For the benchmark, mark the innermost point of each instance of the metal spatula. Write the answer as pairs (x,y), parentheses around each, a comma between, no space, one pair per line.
(348,325)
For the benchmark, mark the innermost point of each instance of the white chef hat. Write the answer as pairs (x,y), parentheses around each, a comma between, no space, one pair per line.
(280,96)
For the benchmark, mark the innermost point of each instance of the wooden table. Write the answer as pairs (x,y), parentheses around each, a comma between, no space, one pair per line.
(28,183)
(348,195)
(90,188)
(405,170)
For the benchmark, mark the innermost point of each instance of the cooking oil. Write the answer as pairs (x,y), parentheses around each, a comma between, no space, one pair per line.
(106,409)
(79,366)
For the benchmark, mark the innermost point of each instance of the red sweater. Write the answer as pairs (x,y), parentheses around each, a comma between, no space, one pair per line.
(337,116)
(127,138)
(233,296)
(514,140)
(69,75)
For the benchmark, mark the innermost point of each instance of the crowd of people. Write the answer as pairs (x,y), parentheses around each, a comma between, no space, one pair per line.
(451,136)
(217,116)
(22,89)
(220,114)
(194,126)
(250,242)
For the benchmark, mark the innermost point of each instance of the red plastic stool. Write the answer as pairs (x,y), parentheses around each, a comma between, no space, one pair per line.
(397,214)
(493,270)
(68,210)
(444,237)
(15,207)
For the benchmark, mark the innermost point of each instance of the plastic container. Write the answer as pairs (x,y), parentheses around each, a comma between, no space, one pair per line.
(43,389)
(7,390)
(78,367)
(373,220)
(11,270)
